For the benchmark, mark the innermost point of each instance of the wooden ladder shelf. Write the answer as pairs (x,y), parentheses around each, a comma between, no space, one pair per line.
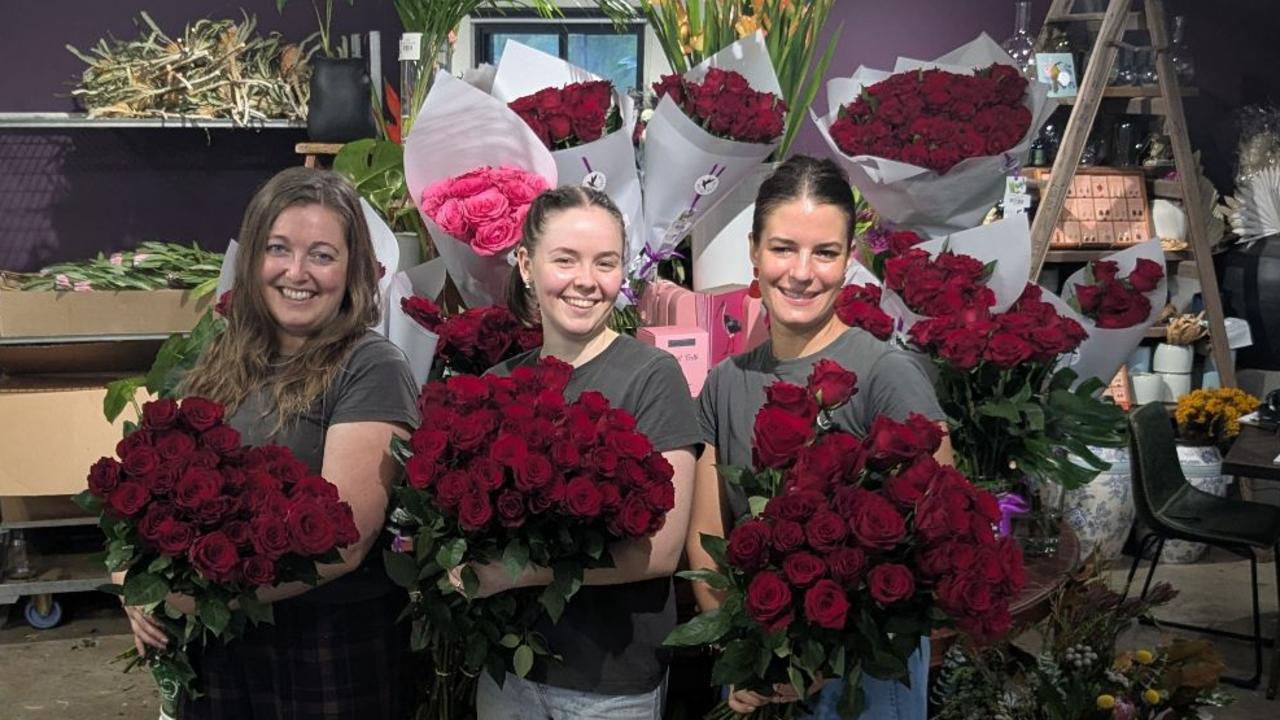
(1092,88)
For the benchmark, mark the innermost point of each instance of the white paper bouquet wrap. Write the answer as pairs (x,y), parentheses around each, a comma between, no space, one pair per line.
(418,343)
(1007,243)
(607,164)
(687,169)
(1106,349)
(917,198)
(459,129)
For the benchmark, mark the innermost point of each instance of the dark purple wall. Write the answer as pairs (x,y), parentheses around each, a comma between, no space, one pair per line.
(67,194)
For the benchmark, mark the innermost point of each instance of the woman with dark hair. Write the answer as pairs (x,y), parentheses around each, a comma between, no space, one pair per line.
(568,274)
(298,366)
(800,245)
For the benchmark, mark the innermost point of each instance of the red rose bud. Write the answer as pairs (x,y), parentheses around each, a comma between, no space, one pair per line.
(890,583)
(748,547)
(846,565)
(310,530)
(1146,275)
(832,385)
(223,306)
(173,538)
(104,476)
(788,536)
(825,531)
(200,414)
(258,571)
(128,499)
(270,536)
(826,605)
(222,439)
(876,523)
(779,435)
(769,602)
(803,569)
(474,512)
(583,497)
(636,520)
(159,414)
(214,556)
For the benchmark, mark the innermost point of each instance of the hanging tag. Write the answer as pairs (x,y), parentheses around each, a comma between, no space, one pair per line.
(1016,198)
(410,46)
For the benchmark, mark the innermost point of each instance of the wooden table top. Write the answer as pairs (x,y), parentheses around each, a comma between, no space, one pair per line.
(1252,454)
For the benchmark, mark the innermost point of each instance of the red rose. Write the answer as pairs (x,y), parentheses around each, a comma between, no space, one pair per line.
(1104,270)
(876,523)
(315,486)
(468,433)
(1088,297)
(845,565)
(604,460)
(635,519)
(831,384)
(450,488)
(769,601)
(779,435)
(890,582)
(511,509)
(582,497)
(803,569)
(174,537)
(908,486)
(963,348)
(223,306)
(797,506)
(212,512)
(141,461)
(159,414)
(209,460)
(421,471)
(630,445)
(890,443)
(239,533)
(825,531)
(129,498)
(1146,275)
(223,439)
(788,536)
(214,556)
(1007,350)
(311,532)
(149,525)
(104,476)
(430,444)
(200,414)
(474,512)
(270,536)
(748,547)
(197,486)
(826,605)
(510,450)
(258,571)
(660,497)
(175,445)
(792,399)
(534,474)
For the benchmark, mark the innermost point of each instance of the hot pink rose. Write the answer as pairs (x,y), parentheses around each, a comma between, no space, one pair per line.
(485,207)
(452,218)
(495,237)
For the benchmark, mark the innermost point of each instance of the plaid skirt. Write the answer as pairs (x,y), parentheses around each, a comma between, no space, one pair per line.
(331,661)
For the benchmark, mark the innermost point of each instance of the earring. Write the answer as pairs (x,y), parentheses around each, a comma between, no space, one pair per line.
(528,286)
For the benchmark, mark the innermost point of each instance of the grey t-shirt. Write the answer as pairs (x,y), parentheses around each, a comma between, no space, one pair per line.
(374,385)
(891,382)
(610,636)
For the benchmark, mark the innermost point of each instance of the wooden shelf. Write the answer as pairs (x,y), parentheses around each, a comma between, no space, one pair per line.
(1082,255)
(1135,99)
(44,120)
(1170,189)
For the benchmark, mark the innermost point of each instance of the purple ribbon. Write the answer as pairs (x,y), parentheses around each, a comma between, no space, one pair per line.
(652,258)
(1010,504)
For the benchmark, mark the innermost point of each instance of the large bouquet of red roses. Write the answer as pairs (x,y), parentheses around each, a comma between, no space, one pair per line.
(504,469)
(725,104)
(857,549)
(934,118)
(1114,302)
(859,306)
(475,339)
(936,284)
(931,143)
(573,115)
(188,510)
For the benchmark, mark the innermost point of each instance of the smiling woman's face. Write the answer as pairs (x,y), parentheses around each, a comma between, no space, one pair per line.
(801,255)
(304,272)
(576,271)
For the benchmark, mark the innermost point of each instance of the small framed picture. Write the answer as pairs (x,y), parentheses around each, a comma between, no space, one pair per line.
(1058,71)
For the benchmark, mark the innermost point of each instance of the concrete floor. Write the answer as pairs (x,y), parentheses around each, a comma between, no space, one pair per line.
(66,672)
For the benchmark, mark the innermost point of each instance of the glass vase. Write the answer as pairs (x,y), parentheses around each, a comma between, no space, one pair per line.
(1183,65)
(1039,529)
(1020,45)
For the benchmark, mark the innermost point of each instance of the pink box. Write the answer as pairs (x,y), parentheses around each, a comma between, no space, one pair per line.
(1115,186)
(688,345)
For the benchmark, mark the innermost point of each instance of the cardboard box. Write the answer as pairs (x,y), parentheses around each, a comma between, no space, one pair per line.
(689,346)
(45,314)
(52,429)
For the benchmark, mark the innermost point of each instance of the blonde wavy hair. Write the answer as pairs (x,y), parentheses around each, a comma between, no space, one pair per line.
(239,360)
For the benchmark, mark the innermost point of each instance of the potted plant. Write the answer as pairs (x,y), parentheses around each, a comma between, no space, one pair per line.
(1207,419)
(340,108)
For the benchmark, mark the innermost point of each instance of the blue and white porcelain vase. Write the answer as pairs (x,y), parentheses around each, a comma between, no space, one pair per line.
(1202,466)
(1101,513)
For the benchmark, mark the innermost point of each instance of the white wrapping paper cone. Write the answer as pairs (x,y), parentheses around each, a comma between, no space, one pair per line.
(918,198)
(459,129)
(227,273)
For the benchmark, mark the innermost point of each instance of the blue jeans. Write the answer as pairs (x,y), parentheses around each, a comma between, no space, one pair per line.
(886,699)
(527,700)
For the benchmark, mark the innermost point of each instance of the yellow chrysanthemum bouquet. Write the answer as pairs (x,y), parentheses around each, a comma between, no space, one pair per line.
(1212,416)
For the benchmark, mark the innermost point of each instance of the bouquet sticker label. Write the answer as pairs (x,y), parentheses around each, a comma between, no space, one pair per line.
(706,185)
(595,180)
(410,47)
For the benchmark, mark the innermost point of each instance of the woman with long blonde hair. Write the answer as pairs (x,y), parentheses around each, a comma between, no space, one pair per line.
(298,366)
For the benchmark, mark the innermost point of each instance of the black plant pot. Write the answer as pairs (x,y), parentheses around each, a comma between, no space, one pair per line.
(1250,280)
(341,108)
